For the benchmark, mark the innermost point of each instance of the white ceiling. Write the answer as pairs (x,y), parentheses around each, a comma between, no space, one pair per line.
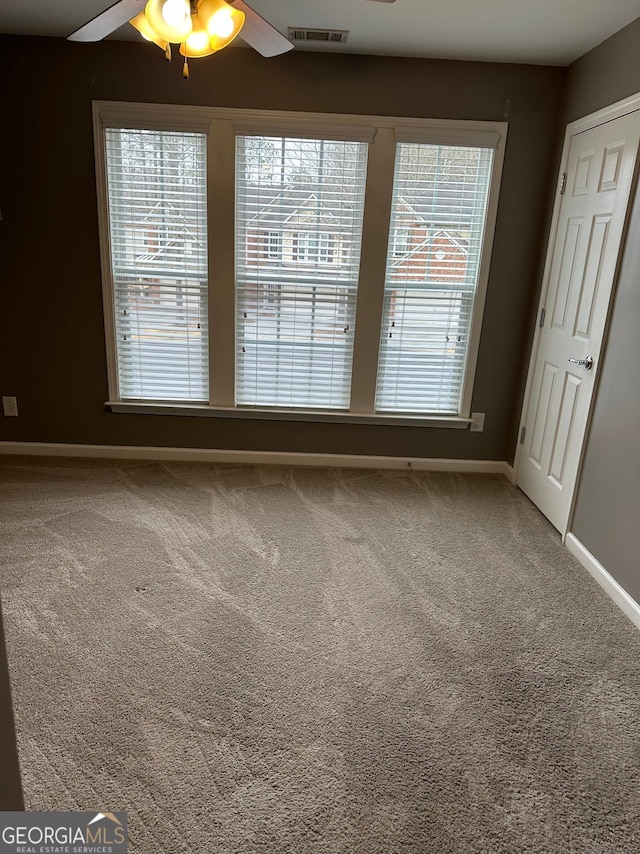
(553,32)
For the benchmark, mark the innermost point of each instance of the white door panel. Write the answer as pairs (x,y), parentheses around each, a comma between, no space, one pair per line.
(583,263)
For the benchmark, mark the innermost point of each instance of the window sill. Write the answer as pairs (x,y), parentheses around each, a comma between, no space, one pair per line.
(202,410)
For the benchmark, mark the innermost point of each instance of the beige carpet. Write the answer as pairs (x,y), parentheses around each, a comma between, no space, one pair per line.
(279,660)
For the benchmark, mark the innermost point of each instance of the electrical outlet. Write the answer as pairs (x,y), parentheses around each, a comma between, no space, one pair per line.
(477,422)
(10,406)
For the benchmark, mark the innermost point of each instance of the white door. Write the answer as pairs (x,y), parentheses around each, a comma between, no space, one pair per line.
(587,241)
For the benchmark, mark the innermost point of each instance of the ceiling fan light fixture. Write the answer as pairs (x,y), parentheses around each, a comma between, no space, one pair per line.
(222,22)
(147,32)
(169,19)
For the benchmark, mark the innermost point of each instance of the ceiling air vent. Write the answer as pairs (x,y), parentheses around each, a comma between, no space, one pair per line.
(303,34)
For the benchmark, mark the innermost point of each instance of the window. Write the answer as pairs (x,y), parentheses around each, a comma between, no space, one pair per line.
(243,259)
(157,223)
(326,247)
(274,245)
(298,352)
(401,240)
(428,307)
(315,248)
(301,250)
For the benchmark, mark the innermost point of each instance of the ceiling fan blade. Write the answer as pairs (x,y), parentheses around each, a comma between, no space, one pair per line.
(108,21)
(260,34)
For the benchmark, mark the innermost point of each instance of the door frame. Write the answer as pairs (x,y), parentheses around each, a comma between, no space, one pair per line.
(593,120)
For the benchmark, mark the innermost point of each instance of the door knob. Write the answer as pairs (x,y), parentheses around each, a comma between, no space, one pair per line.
(588,362)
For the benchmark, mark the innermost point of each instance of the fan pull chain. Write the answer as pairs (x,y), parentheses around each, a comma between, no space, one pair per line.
(185,69)
(167,53)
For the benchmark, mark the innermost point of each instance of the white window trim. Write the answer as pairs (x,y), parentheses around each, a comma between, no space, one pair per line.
(385,131)
(252,413)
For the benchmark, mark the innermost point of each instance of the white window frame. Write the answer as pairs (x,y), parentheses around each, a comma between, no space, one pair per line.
(326,247)
(222,125)
(401,241)
(302,246)
(274,245)
(313,247)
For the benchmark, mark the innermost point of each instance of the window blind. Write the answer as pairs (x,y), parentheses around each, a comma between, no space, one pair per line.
(156,186)
(299,210)
(438,215)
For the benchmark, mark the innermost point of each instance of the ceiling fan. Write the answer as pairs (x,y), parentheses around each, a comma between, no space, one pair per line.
(200,27)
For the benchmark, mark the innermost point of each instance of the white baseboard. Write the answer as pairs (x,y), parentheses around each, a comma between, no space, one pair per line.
(608,583)
(206,455)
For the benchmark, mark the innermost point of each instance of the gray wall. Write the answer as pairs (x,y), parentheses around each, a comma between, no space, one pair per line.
(52,352)
(605,75)
(607,516)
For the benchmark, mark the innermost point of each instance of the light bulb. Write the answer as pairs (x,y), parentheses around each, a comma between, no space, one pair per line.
(174,12)
(221,23)
(169,19)
(198,40)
